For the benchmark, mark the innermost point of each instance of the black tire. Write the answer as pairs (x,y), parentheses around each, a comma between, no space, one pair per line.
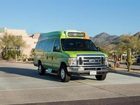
(41,69)
(100,77)
(64,76)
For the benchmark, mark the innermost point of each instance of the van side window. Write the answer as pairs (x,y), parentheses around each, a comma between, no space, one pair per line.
(48,45)
(42,45)
(57,47)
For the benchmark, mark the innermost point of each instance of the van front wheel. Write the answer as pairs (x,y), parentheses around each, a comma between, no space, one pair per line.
(41,70)
(65,77)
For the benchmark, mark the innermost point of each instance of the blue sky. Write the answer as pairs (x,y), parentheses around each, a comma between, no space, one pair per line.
(93,16)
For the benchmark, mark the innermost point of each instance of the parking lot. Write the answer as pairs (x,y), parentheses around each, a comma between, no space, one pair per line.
(20,83)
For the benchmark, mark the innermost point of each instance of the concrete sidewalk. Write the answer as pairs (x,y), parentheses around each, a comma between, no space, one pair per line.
(124,71)
(133,67)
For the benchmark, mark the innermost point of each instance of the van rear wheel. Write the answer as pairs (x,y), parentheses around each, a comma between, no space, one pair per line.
(41,70)
(100,77)
(64,76)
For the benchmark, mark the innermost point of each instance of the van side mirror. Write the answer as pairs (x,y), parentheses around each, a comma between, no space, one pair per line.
(98,49)
(56,49)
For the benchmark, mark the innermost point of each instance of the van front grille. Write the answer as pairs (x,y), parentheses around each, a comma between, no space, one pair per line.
(91,60)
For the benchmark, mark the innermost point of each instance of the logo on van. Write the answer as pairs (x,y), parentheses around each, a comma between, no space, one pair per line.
(94,60)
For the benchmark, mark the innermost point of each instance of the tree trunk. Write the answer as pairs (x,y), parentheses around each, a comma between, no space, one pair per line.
(129,60)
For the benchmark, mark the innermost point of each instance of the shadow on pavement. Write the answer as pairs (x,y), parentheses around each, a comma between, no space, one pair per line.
(34,73)
(27,72)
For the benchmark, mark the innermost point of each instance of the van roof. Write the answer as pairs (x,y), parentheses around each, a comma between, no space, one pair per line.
(57,34)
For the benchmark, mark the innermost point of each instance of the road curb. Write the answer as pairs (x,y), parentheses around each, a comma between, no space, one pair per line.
(124,72)
(27,62)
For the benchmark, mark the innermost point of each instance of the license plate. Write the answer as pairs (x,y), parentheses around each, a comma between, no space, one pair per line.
(93,72)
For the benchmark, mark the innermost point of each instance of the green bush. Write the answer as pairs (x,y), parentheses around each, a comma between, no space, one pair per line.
(10,54)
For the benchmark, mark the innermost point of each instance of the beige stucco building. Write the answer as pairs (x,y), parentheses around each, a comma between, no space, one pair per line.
(30,40)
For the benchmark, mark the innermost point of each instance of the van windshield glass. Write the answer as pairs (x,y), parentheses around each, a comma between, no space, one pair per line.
(78,45)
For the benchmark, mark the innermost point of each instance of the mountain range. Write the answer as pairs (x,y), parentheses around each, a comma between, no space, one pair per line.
(105,39)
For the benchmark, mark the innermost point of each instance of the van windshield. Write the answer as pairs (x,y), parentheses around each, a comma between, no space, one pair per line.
(78,45)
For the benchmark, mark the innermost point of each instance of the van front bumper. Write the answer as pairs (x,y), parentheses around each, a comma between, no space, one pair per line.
(88,70)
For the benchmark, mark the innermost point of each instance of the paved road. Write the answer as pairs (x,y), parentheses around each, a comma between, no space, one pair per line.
(109,101)
(20,84)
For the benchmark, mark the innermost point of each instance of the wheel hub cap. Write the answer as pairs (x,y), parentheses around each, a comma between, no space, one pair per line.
(62,74)
(39,68)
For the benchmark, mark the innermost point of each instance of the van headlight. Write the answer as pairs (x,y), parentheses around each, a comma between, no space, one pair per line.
(106,61)
(72,62)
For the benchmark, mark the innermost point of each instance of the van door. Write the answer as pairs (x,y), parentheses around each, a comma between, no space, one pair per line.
(57,54)
(49,53)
